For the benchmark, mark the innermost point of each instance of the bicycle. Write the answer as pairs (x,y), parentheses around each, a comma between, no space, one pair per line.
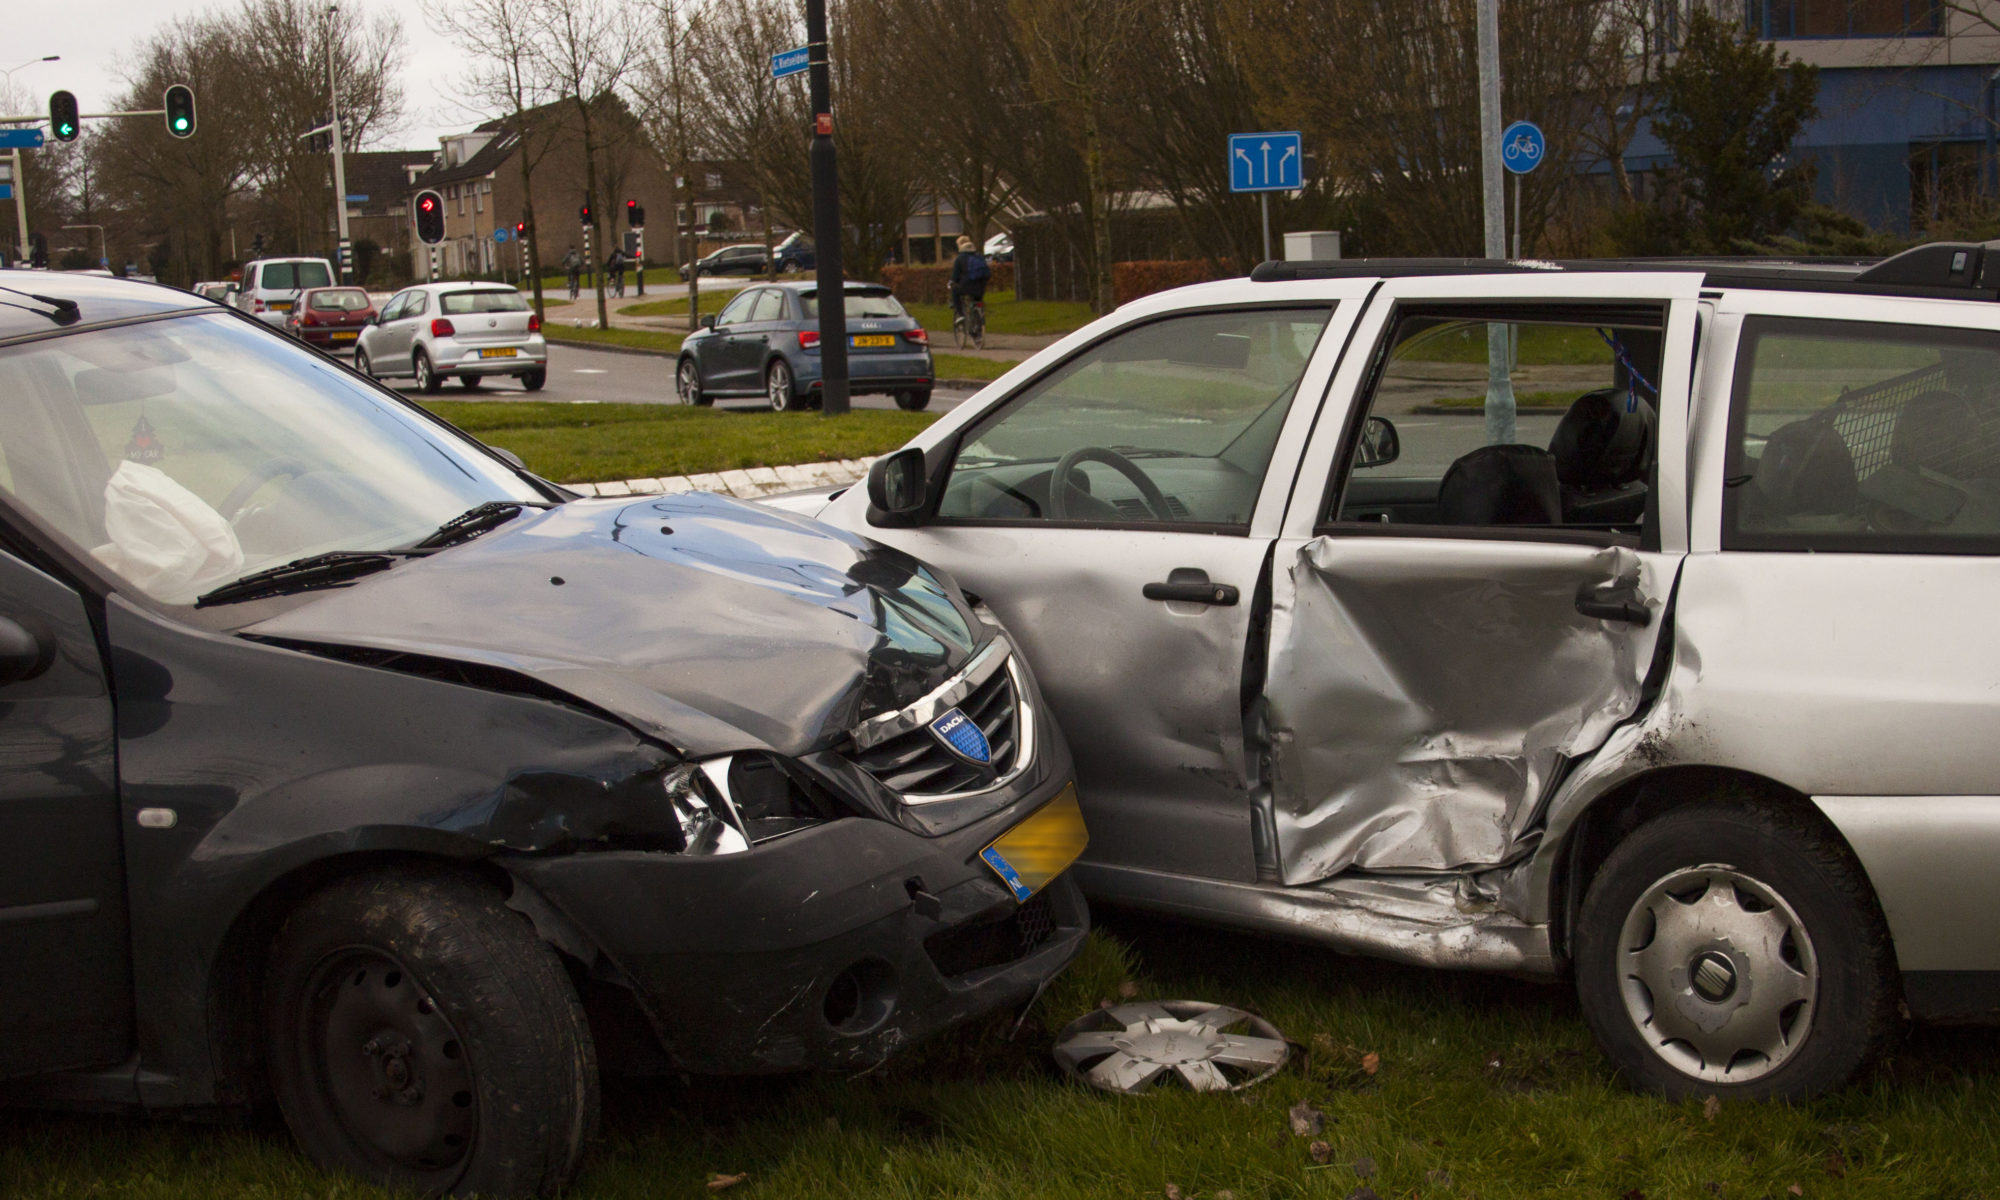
(573,290)
(968,323)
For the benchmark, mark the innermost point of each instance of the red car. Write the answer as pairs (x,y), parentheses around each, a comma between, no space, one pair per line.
(330,317)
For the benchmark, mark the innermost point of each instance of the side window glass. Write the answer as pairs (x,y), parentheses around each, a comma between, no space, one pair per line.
(417,304)
(770,307)
(1172,421)
(393,309)
(1850,436)
(1440,445)
(738,310)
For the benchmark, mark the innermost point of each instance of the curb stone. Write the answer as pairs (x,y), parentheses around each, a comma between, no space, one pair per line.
(747,484)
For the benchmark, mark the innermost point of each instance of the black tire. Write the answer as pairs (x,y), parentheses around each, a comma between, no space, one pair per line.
(779,388)
(422,1037)
(362,364)
(533,380)
(1793,916)
(470,383)
(687,383)
(429,382)
(914,401)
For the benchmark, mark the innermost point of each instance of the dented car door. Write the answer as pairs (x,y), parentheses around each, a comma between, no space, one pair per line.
(1449,635)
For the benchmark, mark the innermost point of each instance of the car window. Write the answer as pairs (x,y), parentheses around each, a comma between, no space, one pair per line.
(1170,421)
(340,300)
(1438,447)
(394,308)
(285,276)
(738,310)
(1864,437)
(185,453)
(490,300)
(864,306)
(770,307)
(418,303)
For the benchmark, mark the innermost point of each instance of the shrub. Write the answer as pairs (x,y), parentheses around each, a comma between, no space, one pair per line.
(932,285)
(1131,280)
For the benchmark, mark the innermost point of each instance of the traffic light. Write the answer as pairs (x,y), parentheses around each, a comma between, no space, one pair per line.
(634,215)
(63,121)
(583,213)
(430,217)
(180,110)
(520,230)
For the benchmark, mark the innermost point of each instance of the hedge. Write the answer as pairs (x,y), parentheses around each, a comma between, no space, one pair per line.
(1131,280)
(932,285)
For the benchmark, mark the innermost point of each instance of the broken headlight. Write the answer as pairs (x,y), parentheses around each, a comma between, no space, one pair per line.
(726,805)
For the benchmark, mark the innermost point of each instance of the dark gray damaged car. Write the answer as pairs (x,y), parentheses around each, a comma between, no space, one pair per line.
(345,763)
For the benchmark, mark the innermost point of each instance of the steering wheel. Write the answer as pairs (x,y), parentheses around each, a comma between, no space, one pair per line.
(261,474)
(1060,488)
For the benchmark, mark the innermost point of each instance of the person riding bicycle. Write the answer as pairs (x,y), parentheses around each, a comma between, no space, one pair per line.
(572,265)
(969,274)
(615,268)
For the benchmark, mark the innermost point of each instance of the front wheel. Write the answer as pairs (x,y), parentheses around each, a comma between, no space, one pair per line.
(778,387)
(362,364)
(428,380)
(1733,949)
(422,1037)
(687,384)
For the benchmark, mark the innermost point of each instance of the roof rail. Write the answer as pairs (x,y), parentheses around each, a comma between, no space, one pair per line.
(1970,265)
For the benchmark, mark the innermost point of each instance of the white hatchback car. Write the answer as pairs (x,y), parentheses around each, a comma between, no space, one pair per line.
(468,331)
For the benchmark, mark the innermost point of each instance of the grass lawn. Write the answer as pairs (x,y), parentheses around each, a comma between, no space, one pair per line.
(1004,314)
(588,442)
(1560,400)
(965,366)
(713,297)
(1541,345)
(1431,1084)
(638,339)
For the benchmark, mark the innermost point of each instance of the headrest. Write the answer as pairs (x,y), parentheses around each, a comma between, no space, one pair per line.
(1501,485)
(1940,431)
(1807,469)
(1600,444)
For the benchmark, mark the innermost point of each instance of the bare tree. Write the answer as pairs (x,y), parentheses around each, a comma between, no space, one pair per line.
(586,50)
(507,80)
(669,113)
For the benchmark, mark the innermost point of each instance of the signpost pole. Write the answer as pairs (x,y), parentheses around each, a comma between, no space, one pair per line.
(339,152)
(1517,216)
(1264,201)
(20,203)
(826,220)
(1499,388)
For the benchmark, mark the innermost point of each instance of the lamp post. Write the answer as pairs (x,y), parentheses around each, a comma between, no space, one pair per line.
(20,188)
(342,253)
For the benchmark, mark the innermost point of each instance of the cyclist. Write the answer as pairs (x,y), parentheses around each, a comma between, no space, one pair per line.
(572,265)
(615,268)
(969,274)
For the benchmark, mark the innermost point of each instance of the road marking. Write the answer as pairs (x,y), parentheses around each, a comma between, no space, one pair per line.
(588,371)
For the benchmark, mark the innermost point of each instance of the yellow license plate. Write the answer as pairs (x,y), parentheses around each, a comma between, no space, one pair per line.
(1040,848)
(281,306)
(507,353)
(875,339)
(346,335)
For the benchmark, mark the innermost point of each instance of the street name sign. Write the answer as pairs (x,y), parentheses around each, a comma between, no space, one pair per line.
(1266,162)
(791,62)
(20,139)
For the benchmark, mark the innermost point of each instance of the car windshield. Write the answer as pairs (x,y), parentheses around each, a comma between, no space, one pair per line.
(490,300)
(340,300)
(866,306)
(287,277)
(186,453)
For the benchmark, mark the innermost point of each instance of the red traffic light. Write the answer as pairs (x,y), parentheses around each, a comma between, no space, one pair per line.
(520,229)
(583,213)
(428,204)
(430,217)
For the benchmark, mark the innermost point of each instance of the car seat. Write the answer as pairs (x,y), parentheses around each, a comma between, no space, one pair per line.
(1501,485)
(1806,470)
(1604,450)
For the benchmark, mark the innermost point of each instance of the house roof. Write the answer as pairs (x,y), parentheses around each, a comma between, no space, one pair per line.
(483,163)
(384,176)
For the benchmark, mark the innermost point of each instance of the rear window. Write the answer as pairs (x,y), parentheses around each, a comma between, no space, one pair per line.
(866,306)
(290,277)
(340,300)
(459,303)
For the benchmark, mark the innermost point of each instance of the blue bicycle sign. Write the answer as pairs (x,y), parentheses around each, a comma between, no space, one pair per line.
(1522,147)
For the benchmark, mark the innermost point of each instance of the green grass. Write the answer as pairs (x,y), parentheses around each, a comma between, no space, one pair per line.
(1521,400)
(1005,314)
(588,442)
(712,300)
(1484,1087)
(1541,345)
(637,339)
(965,366)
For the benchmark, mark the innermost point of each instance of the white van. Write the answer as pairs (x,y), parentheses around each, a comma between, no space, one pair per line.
(272,285)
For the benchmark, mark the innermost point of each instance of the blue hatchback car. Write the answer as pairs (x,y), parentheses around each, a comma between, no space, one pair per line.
(765,342)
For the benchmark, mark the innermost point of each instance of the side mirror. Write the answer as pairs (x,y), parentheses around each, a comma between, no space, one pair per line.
(1379,443)
(22,654)
(708,322)
(896,488)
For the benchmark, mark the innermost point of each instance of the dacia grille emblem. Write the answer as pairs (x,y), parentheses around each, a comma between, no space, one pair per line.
(958,734)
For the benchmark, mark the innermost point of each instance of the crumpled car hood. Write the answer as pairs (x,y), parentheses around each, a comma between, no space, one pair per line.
(713,624)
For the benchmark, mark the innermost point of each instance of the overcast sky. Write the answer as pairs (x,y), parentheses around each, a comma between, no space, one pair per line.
(96,37)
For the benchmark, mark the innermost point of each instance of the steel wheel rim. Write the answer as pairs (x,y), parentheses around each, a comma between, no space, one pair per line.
(1138,1047)
(781,387)
(1718,974)
(386,1066)
(688,381)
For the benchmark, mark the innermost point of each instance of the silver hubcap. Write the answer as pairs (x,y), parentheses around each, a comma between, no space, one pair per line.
(689,383)
(781,388)
(1718,974)
(1207,1047)
(423,371)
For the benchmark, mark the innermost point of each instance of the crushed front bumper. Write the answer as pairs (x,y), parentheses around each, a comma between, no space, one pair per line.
(833,948)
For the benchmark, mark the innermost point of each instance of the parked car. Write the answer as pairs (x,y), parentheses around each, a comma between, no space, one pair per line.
(350,763)
(464,331)
(271,286)
(216,290)
(796,253)
(330,318)
(1680,688)
(765,342)
(730,260)
(1000,248)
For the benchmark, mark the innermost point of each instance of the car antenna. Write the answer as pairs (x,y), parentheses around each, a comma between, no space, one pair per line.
(65,312)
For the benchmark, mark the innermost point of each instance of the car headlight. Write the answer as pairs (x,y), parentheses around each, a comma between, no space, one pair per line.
(728,804)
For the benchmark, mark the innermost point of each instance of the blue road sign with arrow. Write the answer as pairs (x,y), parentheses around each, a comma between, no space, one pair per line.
(791,62)
(20,139)
(1266,162)
(1522,147)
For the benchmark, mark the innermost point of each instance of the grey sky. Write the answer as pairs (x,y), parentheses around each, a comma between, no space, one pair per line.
(96,36)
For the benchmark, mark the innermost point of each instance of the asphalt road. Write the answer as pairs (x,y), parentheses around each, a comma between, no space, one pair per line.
(581,376)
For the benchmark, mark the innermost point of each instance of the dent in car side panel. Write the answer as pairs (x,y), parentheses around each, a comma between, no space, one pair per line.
(1424,692)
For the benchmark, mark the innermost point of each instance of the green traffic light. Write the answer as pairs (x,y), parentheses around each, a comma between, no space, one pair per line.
(180,123)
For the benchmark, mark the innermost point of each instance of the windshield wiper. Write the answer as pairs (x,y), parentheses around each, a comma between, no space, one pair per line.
(301,574)
(473,522)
